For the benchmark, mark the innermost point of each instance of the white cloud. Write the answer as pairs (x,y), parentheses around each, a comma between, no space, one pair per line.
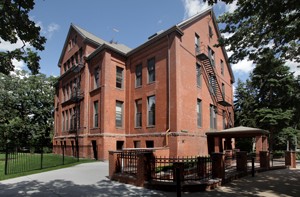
(7,46)
(51,28)
(193,7)
(244,66)
(231,7)
(19,65)
(293,67)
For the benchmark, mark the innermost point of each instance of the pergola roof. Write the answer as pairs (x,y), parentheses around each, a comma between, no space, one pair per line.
(236,132)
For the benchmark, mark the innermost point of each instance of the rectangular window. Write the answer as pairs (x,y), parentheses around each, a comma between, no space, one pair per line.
(64,93)
(138,113)
(119,77)
(197,43)
(199,113)
(224,119)
(210,31)
(198,74)
(151,70)
(222,67)
(63,121)
(137,144)
(96,78)
(213,117)
(138,75)
(67,92)
(70,119)
(119,113)
(78,117)
(213,84)
(80,55)
(96,114)
(67,120)
(65,67)
(149,143)
(223,90)
(120,145)
(76,58)
(151,110)
(211,56)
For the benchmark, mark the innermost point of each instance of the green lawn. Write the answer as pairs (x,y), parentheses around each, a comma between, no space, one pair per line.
(25,164)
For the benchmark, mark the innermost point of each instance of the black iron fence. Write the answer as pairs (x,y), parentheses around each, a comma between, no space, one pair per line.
(22,159)
(163,168)
(193,168)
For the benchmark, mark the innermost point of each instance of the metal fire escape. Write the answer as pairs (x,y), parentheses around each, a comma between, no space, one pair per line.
(209,75)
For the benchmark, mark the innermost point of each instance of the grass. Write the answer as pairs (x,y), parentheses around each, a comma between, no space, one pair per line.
(31,163)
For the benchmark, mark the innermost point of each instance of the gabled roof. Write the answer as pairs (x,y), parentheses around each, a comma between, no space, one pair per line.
(126,51)
(198,16)
(89,37)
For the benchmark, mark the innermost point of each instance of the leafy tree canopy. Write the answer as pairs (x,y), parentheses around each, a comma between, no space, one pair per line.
(257,25)
(15,25)
(26,110)
(270,100)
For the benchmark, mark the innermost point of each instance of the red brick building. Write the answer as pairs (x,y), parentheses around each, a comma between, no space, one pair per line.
(167,92)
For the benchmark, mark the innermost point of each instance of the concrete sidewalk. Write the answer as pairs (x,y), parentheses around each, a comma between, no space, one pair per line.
(90,180)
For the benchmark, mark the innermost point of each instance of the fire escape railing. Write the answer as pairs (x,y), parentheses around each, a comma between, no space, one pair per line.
(210,77)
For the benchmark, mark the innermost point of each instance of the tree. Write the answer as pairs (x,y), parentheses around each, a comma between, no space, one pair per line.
(270,100)
(258,25)
(15,25)
(26,113)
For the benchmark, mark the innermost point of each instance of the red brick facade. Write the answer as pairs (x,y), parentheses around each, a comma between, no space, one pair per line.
(122,85)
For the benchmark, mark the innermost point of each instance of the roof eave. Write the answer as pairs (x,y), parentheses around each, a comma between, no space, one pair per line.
(103,47)
(154,39)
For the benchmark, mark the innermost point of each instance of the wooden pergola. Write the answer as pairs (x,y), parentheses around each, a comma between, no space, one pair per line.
(215,138)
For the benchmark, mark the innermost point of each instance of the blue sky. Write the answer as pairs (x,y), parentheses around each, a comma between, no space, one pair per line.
(129,22)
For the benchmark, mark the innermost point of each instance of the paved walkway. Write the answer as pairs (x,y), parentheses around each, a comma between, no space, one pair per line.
(90,180)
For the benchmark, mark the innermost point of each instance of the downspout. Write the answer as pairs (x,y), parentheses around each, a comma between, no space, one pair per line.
(169,93)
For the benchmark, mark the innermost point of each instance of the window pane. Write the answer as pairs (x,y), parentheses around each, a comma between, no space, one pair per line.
(96,114)
(138,74)
(119,114)
(198,74)
(199,113)
(96,77)
(151,70)
(151,110)
(138,115)
(119,77)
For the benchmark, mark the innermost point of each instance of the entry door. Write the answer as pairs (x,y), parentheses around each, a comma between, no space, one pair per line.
(95,149)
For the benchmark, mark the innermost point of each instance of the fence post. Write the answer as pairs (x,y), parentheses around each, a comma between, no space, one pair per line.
(264,159)
(63,154)
(42,158)
(6,159)
(178,181)
(241,161)
(218,165)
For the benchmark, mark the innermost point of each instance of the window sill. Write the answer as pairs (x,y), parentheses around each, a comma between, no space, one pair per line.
(120,88)
(150,83)
(150,126)
(137,127)
(96,89)
(138,87)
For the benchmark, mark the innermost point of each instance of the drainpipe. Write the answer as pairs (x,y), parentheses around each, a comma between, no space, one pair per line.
(169,93)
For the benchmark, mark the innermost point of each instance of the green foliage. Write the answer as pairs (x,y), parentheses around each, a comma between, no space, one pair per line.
(270,100)
(15,25)
(26,110)
(257,25)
